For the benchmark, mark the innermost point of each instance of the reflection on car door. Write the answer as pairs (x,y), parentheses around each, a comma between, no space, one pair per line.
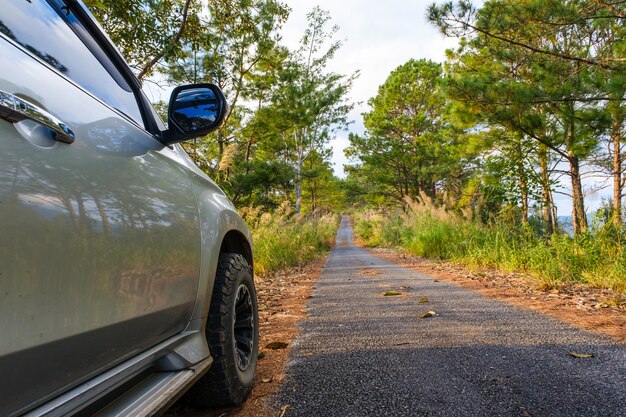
(99,241)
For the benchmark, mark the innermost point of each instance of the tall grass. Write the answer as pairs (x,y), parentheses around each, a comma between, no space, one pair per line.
(597,258)
(282,239)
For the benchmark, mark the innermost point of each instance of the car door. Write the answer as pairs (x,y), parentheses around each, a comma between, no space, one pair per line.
(99,238)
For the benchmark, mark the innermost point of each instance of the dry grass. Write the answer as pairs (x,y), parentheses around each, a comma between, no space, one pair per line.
(424,229)
(283,239)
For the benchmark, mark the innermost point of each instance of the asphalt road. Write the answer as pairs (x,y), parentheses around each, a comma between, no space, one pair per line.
(363,354)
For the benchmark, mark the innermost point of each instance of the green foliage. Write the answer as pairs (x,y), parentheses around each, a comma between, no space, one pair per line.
(408,147)
(308,103)
(544,71)
(147,31)
(283,239)
(596,258)
(285,105)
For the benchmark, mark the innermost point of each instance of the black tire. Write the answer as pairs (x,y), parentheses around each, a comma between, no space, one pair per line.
(233,335)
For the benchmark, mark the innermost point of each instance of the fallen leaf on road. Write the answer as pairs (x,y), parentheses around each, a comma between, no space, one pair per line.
(390,293)
(266,380)
(581,355)
(424,300)
(283,410)
(405,287)
(370,272)
(276,345)
(427,315)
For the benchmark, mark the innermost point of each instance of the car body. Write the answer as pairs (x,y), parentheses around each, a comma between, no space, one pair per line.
(110,237)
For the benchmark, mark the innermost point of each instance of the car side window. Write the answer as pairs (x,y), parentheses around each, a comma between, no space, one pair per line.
(36,26)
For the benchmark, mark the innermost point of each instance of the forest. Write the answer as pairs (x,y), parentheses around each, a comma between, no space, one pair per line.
(459,160)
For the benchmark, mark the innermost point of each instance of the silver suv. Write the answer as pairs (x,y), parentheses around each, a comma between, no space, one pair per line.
(125,273)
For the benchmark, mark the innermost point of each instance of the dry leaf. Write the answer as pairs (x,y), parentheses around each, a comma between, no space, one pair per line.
(581,355)
(390,293)
(266,380)
(283,410)
(424,300)
(276,345)
(427,315)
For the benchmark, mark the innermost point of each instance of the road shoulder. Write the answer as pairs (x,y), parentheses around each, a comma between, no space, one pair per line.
(596,310)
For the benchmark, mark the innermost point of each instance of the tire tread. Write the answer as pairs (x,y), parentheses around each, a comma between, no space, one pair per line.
(221,386)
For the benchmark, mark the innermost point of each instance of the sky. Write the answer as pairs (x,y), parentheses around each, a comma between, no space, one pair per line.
(377,38)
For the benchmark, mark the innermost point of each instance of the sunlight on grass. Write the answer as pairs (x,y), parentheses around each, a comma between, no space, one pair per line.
(283,239)
(597,258)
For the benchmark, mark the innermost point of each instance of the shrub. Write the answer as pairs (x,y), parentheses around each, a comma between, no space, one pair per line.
(282,239)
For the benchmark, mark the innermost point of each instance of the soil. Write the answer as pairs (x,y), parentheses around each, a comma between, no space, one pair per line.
(283,298)
(282,301)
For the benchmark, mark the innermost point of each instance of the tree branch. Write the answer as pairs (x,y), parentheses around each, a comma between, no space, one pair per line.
(148,67)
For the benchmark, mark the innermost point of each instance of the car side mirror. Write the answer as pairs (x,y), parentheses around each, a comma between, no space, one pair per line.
(194,111)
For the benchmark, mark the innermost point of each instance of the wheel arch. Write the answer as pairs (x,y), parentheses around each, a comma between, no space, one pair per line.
(235,242)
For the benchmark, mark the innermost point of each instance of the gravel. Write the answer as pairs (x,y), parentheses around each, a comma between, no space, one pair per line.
(364,354)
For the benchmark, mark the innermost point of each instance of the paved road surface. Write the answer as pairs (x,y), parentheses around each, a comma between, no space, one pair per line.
(362,354)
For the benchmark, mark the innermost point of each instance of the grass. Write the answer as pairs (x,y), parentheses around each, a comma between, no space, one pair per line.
(597,258)
(283,239)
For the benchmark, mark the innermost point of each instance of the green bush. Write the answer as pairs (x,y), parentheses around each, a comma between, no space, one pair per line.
(282,239)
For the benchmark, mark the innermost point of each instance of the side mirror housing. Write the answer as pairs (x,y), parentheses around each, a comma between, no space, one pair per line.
(194,111)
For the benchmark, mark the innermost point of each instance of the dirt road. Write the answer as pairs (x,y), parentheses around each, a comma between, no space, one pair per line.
(362,353)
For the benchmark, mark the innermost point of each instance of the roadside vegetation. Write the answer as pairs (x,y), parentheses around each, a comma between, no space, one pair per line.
(597,258)
(283,239)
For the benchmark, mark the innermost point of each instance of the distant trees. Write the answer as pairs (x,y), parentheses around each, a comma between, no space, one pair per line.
(535,91)
(307,103)
(409,147)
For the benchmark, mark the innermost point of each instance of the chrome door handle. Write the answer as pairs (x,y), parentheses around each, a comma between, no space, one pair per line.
(15,109)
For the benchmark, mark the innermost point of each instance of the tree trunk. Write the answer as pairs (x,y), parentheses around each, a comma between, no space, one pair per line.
(299,179)
(579,217)
(523,182)
(617,172)
(555,214)
(546,192)
(524,189)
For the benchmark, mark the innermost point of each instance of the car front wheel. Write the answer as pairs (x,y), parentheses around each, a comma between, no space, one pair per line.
(233,336)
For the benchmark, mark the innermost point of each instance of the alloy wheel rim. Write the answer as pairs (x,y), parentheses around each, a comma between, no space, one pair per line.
(243,327)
